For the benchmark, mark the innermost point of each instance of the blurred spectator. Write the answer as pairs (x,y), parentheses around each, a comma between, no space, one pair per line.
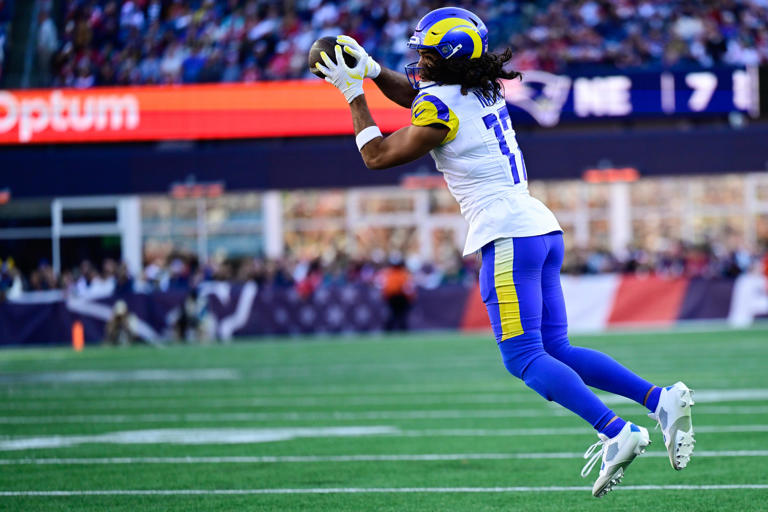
(308,276)
(6,15)
(43,278)
(169,41)
(724,257)
(764,262)
(123,280)
(194,323)
(398,291)
(92,284)
(47,44)
(121,327)
(179,275)
(10,280)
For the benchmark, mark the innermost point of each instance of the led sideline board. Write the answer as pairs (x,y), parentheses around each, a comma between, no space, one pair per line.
(215,111)
(312,107)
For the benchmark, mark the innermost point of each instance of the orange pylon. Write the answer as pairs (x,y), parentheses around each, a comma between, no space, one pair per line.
(78,336)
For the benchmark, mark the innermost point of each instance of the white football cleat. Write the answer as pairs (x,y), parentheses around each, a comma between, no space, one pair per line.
(617,454)
(674,417)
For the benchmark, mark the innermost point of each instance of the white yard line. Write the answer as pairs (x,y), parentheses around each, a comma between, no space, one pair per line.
(23,399)
(361,490)
(427,457)
(190,401)
(513,432)
(273,416)
(117,391)
(217,436)
(269,373)
(113,376)
(403,414)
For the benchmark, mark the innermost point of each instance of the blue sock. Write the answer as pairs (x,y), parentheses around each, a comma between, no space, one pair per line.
(653,399)
(525,358)
(613,428)
(599,370)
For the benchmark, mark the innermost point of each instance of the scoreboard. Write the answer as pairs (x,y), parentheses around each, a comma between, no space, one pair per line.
(549,99)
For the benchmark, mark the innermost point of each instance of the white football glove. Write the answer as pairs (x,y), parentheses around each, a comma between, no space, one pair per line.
(348,80)
(352,47)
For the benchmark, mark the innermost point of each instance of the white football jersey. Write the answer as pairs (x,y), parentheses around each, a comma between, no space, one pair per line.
(482,165)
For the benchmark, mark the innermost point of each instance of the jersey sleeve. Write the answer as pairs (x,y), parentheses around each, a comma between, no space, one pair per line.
(428,109)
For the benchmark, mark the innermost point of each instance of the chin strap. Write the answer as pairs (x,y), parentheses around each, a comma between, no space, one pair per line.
(458,47)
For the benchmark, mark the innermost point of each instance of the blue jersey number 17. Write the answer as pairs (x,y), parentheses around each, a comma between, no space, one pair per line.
(499,124)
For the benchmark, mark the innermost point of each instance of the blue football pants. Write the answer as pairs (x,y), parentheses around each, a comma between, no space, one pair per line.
(520,286)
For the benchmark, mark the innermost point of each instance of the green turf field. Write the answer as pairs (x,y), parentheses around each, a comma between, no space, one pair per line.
(419,422)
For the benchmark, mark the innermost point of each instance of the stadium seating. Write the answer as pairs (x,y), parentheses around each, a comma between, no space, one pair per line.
(152,41)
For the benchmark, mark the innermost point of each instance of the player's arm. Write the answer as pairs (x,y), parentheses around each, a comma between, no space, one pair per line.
(394,85)
(403,146)
(432,123)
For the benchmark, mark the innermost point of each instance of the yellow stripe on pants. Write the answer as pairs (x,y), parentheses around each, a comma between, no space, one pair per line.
(506,294)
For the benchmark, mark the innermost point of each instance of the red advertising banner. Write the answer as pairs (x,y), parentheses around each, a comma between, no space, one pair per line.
(185,112)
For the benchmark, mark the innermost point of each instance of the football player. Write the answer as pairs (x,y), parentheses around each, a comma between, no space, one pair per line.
(460,117)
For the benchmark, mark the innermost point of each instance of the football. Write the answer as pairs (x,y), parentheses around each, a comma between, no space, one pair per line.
(326,44)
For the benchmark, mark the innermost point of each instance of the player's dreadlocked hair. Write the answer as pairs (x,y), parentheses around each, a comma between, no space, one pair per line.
(482,73)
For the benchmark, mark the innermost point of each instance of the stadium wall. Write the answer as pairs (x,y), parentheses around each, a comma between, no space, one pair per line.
(594,303)
(328,162)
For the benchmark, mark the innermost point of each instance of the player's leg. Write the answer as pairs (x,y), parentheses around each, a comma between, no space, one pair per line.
(670,406)
(511,288)
(510,282)
(595,368)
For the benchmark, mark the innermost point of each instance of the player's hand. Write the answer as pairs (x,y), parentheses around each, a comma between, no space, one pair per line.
(352,47)
(348,80)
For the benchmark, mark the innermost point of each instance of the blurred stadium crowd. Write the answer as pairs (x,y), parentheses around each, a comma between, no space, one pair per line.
(182,272)
(6,14)
(83,43)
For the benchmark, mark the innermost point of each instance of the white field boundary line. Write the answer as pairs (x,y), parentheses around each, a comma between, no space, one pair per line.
(362,490)
(427,457)
(339,415)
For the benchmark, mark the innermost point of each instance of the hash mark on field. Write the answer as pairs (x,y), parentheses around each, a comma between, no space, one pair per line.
(359,490)
(427,457)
